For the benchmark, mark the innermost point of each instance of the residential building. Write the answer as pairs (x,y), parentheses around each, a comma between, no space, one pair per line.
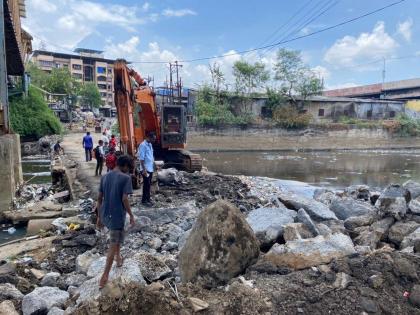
(86,65)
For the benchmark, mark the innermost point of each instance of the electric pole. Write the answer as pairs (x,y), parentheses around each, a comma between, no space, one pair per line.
(383,76)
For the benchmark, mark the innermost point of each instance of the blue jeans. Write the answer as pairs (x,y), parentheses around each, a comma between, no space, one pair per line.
(88,154)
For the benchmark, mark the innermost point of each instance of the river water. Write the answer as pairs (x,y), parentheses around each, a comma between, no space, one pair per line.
(36,170)
(336,169)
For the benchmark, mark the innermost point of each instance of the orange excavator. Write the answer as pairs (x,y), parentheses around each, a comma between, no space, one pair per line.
(138,115)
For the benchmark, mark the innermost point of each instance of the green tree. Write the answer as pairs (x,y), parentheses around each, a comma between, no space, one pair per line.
(30,116)
(38,76)
(249,77)
(294,77)
(60,81)
(89,94)
(217,77)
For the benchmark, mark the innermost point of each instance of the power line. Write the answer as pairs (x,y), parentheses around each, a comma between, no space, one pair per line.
(287,40)
(324,8)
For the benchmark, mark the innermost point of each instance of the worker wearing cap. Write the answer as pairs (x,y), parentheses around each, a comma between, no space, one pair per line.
(145,155)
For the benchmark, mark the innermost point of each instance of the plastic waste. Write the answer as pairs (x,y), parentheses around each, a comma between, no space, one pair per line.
(11,230)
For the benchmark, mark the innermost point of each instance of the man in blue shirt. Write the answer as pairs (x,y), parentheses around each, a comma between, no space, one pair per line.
(145,155)
(113,205)
(88,146)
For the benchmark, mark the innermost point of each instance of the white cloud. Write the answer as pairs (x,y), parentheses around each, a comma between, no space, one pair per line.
(322,72)
(44,5)
(178,13)
(404,29)
(146,6)
(349,50)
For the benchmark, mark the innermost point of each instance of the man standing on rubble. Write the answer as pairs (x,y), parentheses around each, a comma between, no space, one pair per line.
(88,146)
(112,207)
(147,162)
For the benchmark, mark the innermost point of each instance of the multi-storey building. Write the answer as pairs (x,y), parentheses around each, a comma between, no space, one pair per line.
(86,65)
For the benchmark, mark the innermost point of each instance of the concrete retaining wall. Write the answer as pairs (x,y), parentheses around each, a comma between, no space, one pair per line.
(256,139)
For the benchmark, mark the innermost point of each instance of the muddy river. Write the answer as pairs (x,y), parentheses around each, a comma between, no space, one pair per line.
(327,169)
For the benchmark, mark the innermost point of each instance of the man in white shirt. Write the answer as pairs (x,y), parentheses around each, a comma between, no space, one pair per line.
(99,156)
(145,155)
(104,138)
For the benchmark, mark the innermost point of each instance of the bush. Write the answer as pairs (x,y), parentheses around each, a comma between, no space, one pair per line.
(288,117)
(31,117)
(408,126)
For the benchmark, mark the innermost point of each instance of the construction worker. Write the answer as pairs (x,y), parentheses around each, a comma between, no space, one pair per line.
(145,155)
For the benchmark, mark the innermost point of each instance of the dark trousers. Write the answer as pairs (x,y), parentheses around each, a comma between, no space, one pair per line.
(88,154)
(147,184)
(99,165)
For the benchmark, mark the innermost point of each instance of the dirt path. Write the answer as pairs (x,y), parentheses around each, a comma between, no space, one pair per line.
(72,144)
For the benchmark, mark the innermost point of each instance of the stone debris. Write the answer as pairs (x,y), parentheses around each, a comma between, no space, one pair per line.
(393,201)
(345,208)
(304,253)
(9,292)
(7,308)
(197,304)
(316,210)
(220,246)
(268,223)
(42,299)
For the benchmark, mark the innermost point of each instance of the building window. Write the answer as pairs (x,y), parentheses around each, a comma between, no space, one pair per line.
(103,94)
(346,112)
(88,72)
(110,95)
(109,70)
(321,112)
(45,63)
(77,67)
(77,76)
(102,86)
(101,78)
(101,70)
(109,87)
(369,114)
(391,114)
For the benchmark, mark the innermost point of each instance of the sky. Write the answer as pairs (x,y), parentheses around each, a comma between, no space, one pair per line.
(167,30)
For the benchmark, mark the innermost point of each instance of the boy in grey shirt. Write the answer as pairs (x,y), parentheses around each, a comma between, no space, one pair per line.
(113,205)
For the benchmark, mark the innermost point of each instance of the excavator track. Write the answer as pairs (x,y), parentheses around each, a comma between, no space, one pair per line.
(184,160)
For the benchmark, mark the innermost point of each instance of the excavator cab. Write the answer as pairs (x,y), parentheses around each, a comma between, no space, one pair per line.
(173,126)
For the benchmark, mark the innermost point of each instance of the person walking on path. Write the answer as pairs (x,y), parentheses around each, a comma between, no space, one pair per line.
(111,159)
(145,155)
(113,142)
(105,138)
(112,207)
(99,156)
(88,146)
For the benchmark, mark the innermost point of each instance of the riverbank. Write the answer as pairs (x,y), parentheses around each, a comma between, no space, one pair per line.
(274,139)
(341,252)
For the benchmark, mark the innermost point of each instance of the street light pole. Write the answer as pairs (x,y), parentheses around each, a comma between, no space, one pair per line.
(4,108)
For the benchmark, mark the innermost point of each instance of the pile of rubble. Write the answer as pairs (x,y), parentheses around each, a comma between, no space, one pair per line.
(211,244)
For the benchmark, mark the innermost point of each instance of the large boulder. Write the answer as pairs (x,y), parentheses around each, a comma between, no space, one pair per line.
(349,207)
(413,187)
(317,210)
(268,223)
(304,253)
(42,299)
(411,239)
(220,246)
(393,201)
(400,230)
